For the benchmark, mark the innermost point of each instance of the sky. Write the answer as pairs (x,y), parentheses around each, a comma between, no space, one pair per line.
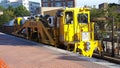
(81,3)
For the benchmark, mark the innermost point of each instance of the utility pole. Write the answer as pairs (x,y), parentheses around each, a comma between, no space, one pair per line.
(113,53)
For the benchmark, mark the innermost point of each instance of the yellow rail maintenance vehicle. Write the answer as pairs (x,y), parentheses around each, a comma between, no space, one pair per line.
(78,31)
(70,27)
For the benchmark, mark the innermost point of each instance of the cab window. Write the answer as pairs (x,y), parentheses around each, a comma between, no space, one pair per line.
(69,17)
(82,18)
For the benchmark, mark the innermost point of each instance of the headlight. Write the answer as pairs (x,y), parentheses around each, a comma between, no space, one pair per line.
(87,46)
(85,36)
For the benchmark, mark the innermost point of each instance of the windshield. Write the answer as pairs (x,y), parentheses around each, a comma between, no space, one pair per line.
(69,17)
(83,18)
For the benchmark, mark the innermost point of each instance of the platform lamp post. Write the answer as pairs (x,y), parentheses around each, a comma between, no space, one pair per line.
(113,53)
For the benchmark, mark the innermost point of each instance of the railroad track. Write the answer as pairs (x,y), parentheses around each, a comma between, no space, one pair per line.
(108,58)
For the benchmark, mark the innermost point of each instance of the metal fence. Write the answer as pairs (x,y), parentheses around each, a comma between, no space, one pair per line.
(110,49)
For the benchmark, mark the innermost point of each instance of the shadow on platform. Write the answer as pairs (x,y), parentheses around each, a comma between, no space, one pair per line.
(73,58)
(14,41)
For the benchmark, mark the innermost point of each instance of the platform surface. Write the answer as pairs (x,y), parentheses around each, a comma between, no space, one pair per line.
(20,53)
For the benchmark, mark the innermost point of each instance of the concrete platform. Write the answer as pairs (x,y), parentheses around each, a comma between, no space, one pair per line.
(21,53)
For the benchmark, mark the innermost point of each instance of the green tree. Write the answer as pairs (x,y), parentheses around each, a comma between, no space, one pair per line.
(96,13)
(111,11)
(4,19)
(2,8)
(11,12)
(11,8)
(7,16)
(21,11)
